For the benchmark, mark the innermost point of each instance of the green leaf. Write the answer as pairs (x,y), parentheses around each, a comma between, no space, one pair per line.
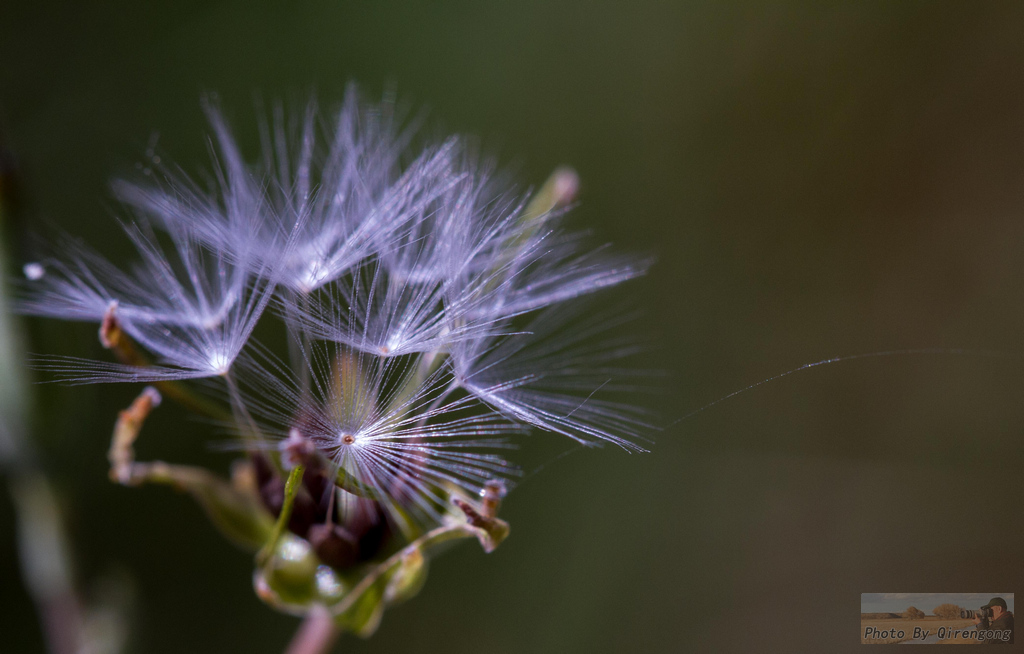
(237,514)
(365,615)
(408,577)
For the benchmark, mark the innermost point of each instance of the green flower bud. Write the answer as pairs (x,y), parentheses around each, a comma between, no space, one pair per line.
(288,579)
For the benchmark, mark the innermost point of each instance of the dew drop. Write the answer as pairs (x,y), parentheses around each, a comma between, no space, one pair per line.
(327,583)
(34,271)
(293,549)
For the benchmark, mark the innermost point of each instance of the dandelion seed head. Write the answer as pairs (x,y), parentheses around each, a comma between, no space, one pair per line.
(427,304)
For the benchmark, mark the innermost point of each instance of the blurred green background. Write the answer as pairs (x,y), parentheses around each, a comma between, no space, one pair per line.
(816,179)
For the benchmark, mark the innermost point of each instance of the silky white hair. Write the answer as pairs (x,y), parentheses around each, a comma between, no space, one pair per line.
(432,314)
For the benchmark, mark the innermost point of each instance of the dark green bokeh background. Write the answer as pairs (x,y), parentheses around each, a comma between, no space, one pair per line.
(814,180)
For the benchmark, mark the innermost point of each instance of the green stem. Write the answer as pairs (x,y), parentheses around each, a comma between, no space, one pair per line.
(317,633)
(45,556)
(291,489)
(422,544)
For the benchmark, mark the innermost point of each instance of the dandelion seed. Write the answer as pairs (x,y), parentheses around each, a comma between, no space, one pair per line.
(550,377)
(191,308)
(390,432)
